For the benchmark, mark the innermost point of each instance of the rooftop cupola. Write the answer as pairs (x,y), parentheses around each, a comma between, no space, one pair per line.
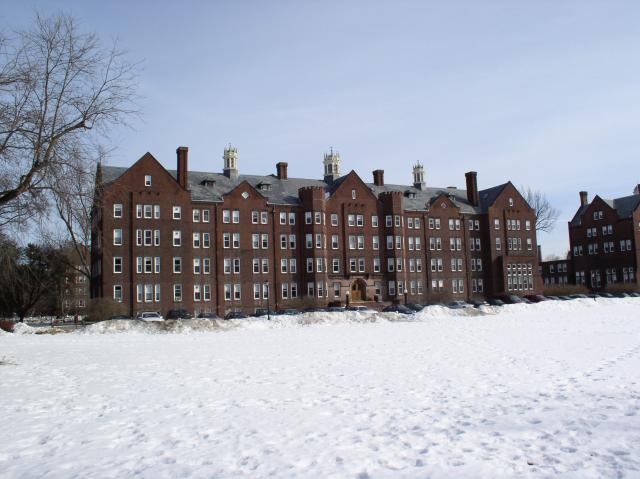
(230,158)
(418,176)
(331,166)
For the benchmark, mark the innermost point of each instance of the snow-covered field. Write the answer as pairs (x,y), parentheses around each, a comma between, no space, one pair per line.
(533,391)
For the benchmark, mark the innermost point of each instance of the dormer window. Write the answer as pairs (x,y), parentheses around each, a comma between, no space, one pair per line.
(147,180)
(207,182)
(264,186)
(410,194)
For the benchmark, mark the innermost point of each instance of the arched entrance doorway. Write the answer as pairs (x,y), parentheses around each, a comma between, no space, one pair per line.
(358,290)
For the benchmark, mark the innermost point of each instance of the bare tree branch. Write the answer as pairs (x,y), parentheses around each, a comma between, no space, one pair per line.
(60,93)
(546,215)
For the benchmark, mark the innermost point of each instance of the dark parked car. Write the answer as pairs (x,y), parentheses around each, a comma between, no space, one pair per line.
(535,298)
(565,298)
(509,298)
(335,309)
(398,308)
(621,294)
(315,310)
(263,312)
(476,303)
(288,312)
(495,302)
(178,314)
(634,295)
(211,316)
(414,306)
(579,296)
(235,315)
(119,316)
(604,294)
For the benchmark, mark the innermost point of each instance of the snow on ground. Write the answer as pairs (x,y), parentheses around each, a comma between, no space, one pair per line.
(531,391)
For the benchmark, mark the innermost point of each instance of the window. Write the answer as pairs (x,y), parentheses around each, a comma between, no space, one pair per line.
(196,240)
(236,265)
(235,240)
(206,217)
(264,241)
(206,265)
(374,221)
(283,218)
(156,263)
(177,265)
(196,216)
(359,220)
(292,218)
(376,265)
(496,223)
(117,237)
(206,240)
(351,220)
(177,238)
(197,292)
(318,217)
(254,217)
(117,293)
(117,212)
(226,216)
(388,219)
(292,241)
(237,292)
(197,265)
(147,180)
(265,265)
(147,237)
(353,194)
(177,212)
(498,245)
(177,293)
(117,264)
(375,242)
(285,290)
(148,264)
(335,265)
(334,241)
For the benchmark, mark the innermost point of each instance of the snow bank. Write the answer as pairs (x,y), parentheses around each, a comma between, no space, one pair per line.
(23,328)
(347,317)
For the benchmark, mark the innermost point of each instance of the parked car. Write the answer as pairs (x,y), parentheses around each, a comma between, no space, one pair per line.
(178,314)
(119,316)
(621,294)
(416,307)
(509,298)
(495,302)
(235,315)
(315,310)
(634,294)
(149,316)
(398,308)
(263,312)
(335,309)
(458,305)
(604,294)
(476,303)
(211,316)
(288,312)
(578,296)
(360,309)
(565,298)
(535,298)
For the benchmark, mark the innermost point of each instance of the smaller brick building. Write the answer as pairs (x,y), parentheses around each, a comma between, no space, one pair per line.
(604,237)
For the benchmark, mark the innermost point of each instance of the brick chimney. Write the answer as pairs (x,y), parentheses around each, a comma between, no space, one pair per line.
(183,166)
(378,177)
(584,198)
(282,170)
(472,188)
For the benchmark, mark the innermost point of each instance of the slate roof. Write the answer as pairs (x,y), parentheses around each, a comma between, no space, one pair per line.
(286,191)
(624,206)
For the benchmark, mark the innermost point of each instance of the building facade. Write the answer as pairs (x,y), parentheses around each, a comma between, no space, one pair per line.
(604,238)
(219,242)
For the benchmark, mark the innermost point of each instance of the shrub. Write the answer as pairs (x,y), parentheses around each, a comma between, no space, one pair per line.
(101,309)
(6,325)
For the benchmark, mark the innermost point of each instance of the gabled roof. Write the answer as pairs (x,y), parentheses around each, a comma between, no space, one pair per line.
(207,186)
(624,207)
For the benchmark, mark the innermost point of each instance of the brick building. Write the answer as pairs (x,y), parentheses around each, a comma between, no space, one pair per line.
(557,272)
(224,241)
(604,238)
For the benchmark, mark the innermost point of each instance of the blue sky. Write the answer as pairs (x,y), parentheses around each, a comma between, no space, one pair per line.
(545,94)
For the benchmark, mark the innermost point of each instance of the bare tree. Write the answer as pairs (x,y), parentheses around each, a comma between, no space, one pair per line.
(60,93)
(546,215)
